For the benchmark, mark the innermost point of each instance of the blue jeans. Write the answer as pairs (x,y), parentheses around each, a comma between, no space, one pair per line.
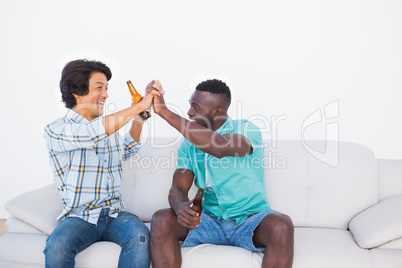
(74,235)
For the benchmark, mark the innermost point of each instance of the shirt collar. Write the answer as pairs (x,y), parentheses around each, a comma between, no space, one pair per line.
(76,117)
(225,125)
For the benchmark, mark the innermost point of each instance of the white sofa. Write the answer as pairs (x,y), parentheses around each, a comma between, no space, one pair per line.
(344,216)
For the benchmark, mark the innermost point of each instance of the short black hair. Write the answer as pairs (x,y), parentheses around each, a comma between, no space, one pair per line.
(75,79)
(215,86)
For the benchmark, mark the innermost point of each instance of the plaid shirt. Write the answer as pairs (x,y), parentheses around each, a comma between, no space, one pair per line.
(86,165)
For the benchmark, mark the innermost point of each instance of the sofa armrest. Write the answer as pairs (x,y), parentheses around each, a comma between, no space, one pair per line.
(39,208)
(15,225)
(378,224)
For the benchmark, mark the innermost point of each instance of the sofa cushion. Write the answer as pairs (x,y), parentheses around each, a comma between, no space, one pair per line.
(386,258)
(22,250)
(329,248)
(208,255)
(26,250)
(314,248)
(378,224)
(314,193)
(38,208)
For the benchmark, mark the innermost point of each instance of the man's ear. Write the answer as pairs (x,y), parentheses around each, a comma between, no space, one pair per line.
(219,112)
(77,97)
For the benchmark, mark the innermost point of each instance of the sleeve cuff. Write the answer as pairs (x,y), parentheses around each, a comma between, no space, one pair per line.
(131,143)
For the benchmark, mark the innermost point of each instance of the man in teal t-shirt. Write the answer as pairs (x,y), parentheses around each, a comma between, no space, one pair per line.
(224,157)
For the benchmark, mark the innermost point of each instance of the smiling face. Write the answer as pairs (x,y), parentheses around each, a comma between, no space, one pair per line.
(205,108)
(92,105)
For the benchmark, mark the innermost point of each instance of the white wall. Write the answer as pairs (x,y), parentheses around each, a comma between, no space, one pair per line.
(283,60)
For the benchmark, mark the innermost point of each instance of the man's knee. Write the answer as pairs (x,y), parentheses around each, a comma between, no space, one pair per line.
(138,241)
(280,229)
(136,233)
(281,224)
(275,228)
(163,220)
(57,251)
(58,244)
(139,237)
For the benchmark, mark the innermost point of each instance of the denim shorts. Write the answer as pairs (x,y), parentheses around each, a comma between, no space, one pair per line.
(226,232)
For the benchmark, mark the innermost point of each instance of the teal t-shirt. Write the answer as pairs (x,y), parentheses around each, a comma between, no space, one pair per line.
(237,182)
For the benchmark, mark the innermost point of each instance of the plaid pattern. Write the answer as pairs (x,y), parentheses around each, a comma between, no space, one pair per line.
(86,165)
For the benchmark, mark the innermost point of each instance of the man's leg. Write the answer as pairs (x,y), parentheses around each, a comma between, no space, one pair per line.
(132,235)
(166,233)
(67,240)
(275,233)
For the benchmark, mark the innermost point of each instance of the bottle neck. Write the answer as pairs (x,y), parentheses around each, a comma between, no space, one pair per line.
(132,89)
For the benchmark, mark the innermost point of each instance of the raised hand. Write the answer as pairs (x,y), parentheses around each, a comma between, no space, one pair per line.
(147,101)
(154,84)
(159,101)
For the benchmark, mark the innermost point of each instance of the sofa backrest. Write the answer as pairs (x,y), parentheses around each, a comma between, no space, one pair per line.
(313,193)
(318,194)
(147,176)
(390,177)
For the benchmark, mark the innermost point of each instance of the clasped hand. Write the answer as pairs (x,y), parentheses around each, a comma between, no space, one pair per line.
(158,100)
(152,91)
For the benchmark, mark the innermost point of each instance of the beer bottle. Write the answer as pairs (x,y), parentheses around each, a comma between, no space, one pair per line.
(197,202)
(136,97)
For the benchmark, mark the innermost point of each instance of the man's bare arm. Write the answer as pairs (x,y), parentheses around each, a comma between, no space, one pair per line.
(203,138)
(115,121)
(179,201)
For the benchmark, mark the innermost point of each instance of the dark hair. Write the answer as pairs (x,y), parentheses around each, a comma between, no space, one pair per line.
(215,86)
(75,79)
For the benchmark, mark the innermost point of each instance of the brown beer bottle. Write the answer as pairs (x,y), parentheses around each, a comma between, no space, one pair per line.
(197,202)
(136,97)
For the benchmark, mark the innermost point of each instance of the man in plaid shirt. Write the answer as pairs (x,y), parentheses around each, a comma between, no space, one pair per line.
(85,154)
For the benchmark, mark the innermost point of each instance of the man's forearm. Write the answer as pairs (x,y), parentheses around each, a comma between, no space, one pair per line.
(176,198)
(136,128)
(115,121)
(201,137)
